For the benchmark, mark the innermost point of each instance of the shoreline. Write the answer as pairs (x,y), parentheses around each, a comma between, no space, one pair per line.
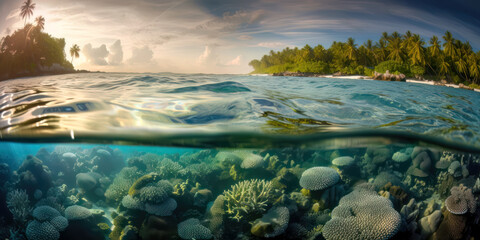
(43,74)
(362,77)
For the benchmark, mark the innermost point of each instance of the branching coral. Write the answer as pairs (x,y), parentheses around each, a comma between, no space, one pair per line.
(248,197)
(19,205)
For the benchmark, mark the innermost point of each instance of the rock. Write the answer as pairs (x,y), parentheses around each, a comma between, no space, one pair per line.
(202,197)
(387,76)
(429,224)
(476,187)
(455,169)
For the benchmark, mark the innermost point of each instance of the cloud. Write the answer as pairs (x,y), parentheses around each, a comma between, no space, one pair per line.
(142,55)
(271,44)
(234,62)
(207,56)
(116,53)
(95,56)
(230,22)
(245,37)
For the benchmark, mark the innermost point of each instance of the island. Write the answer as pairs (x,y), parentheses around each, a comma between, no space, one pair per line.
(31,52)
(393,57)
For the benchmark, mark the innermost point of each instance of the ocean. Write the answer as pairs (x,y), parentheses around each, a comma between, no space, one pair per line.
(204,156)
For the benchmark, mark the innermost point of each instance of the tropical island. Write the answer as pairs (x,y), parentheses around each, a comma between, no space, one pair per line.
(31,52)
(447,61)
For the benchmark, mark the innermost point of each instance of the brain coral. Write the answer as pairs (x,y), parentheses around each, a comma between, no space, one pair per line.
(45,213)
(86,181)
(166,208)
(76,212)
(156,193)
(192,229)
(343,161)
(272,224)
(59,223)
(461,200)
(363,214)
(41,231)
(250,160)
(319,178)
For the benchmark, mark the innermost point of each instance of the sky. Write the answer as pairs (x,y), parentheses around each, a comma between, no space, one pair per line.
(223,36)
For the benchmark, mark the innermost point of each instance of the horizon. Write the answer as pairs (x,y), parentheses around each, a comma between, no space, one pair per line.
(222,37)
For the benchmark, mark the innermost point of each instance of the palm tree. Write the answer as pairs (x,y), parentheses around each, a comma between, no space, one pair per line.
(395,48)
(381,51)
(474,67)
(351,52)
(416,51)
(74,51)
(27,10)
(434,46)
(449,45)
(444,66)
(40,22)
(462,67)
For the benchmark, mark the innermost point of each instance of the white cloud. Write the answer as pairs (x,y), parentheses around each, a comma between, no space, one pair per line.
(116,53)
(142,55)
(234,62)
(245,37)
(271,44)
(95,56)
(207,56)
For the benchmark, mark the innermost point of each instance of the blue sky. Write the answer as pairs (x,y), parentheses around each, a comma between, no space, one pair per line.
(222,36)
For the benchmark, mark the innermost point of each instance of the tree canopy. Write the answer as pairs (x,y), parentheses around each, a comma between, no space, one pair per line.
(452,59)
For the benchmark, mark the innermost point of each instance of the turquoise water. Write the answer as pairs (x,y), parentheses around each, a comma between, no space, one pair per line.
(146,106)
(195,156)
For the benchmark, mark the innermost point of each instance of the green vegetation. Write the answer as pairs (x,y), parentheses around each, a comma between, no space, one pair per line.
(452,60)
(29,51)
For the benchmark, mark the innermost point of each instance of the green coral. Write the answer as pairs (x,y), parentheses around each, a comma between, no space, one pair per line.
(249,198)
(142,182)
(121,184)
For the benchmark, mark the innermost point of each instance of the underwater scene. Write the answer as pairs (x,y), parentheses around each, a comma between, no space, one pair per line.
(90,191)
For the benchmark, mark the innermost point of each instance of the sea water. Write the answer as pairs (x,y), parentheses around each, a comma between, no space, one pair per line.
(195,156)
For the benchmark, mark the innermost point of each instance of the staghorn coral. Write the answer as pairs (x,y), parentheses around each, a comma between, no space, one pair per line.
(192,229)
(19,205)
(363,214)
(319,178)
(461,200)
(248,197)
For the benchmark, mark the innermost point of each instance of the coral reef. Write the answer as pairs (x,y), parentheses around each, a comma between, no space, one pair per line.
(363,214)
(461,200)
(319,178)
(272,224)
(48,224)
(19,205)
(249,197)
(192,229)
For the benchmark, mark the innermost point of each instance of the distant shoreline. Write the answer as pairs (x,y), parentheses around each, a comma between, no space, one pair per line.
(362,77)
(42,74)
